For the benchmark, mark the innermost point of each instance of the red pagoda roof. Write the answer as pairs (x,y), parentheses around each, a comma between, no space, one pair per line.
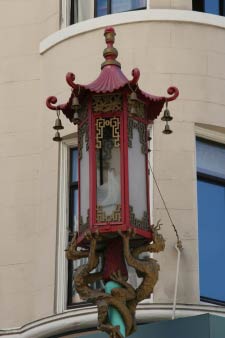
(110,79)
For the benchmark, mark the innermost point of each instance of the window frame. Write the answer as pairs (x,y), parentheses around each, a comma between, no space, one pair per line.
(218,138)
(109,8)
(65,9)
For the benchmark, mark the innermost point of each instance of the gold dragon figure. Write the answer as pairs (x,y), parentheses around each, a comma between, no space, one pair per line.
(126,298)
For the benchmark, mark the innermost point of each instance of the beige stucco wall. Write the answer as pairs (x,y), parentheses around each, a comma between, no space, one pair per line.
(173,4)
(26,273)
(187,55)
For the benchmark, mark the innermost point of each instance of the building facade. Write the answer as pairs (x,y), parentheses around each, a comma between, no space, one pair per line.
(173,43)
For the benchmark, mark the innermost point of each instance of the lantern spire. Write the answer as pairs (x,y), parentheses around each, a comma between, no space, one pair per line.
(110,53)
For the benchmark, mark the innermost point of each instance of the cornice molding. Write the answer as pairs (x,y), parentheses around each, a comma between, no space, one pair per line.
(151,15)
(85,318)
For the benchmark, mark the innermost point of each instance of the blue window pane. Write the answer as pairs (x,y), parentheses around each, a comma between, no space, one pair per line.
(212,6)
(122,6)
(74,163)
(210,158)
(74,210)
(211,219)
(101,7)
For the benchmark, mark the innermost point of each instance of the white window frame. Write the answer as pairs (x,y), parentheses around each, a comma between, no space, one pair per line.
(63,223)
(214,136)
(65,12)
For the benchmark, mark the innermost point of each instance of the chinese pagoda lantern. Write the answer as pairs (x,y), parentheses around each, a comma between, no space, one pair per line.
(112,114)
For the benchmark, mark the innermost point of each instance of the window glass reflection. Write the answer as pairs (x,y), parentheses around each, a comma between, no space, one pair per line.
(212,6)
(108,167)
(122,6)
(101,7)
(74,163)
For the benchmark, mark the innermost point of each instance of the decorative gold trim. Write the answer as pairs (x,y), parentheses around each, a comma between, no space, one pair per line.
(142,129)
(139,223)
(101,216)
(107,103)
(114,123)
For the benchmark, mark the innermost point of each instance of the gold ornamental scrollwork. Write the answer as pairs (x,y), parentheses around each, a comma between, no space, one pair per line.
(107,103)
(139,223)
(101,216)
(112,122)
(141,127)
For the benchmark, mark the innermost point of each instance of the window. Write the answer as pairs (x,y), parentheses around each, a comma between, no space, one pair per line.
(74,11)
(209,6)
(104,7)
(211,220)
(73,220)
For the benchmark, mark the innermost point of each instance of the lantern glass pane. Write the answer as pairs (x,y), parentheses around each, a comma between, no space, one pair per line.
(108,168)
(137,173)
(84,183)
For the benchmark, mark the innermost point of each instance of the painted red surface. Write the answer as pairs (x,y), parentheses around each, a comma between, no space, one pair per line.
(111,79)
(114,258)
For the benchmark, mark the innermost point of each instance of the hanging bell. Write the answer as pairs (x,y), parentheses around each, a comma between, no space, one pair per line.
(75,103)
(57,137)
(133,96)
(58,124)
(166,115)
(167,129)
(76,119)
(132,110)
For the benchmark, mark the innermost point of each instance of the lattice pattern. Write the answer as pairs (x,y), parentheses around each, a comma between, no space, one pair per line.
(107,103)
(141,127)
(101,216)
(139,223)
(114,123)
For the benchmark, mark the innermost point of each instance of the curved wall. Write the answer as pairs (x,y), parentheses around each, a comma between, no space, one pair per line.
(173,49)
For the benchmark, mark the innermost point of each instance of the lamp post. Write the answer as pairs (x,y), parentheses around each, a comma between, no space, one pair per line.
(112,115)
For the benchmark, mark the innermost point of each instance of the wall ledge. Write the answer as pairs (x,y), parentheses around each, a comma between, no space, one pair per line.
(85,318)
(151,15)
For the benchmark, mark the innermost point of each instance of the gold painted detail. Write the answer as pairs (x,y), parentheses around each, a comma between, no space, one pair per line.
(114,124)
(141,127)
(84,226)
(83,130)
(138,106)
(139,223)
(107,103)
(101,216)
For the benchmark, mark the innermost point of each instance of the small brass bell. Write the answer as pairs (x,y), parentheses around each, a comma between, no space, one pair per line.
(133,96)
(166,115)
(75,102)
(58,124)
(76,119)
(167,129)
(132,110)
(57,137)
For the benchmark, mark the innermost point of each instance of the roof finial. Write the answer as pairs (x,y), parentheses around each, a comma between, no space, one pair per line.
(110,53)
